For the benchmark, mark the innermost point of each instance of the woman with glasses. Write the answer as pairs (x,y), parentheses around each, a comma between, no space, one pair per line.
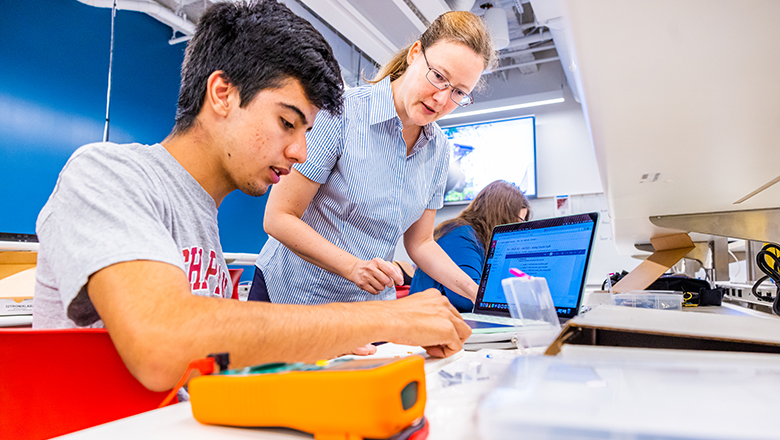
(466,237)
(373,174)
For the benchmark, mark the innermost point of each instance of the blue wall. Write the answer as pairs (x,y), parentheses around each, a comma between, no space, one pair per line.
(53,77)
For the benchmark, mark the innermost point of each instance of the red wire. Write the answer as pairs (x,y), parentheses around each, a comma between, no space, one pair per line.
(204,366)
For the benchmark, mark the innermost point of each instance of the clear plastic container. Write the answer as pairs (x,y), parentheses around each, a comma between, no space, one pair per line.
(649,299)
(530,301)
(630,397)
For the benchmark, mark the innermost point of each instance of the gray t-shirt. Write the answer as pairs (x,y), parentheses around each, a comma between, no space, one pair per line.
(115,203)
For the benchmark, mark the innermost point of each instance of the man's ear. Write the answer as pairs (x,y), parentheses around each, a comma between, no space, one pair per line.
(219,94)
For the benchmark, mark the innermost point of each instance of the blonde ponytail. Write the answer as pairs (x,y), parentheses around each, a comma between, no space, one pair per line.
(457,27)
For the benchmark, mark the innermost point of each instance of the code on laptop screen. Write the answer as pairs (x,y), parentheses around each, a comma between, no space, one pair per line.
(559,253)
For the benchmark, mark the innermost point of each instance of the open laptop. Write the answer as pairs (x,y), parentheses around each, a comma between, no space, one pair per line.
(557,249)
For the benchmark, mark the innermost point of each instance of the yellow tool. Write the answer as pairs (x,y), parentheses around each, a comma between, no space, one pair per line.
(340,399)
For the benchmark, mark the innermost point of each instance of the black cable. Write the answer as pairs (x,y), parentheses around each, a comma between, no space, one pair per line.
(768,261)
(613,279)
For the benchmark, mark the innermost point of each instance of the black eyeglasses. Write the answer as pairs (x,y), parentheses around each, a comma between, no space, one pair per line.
(441,82)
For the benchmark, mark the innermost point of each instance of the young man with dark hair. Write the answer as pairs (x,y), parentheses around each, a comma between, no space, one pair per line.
(129,236)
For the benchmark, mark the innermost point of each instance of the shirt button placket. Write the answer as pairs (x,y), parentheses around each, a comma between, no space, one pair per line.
(401,178)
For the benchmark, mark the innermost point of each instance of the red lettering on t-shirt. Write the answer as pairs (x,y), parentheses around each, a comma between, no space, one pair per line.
(196,264)
(198,278)
(226,281)
(213,271)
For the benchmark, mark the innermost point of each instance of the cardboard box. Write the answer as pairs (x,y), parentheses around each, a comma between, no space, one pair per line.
(668,250)
(614,326)
(16,261)
(16,293)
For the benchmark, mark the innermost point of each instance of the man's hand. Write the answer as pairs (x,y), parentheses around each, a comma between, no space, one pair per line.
(375,275)
(365,350)
(429,320)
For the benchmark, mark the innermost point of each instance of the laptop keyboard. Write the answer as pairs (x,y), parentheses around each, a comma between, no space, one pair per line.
(492,319)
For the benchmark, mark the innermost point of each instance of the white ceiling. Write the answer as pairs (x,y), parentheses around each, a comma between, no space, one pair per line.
(378,28)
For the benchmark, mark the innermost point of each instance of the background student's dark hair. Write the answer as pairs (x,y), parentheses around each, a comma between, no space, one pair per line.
(257,45)
(497,204)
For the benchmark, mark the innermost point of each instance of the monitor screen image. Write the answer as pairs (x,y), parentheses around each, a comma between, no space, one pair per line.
(488,151)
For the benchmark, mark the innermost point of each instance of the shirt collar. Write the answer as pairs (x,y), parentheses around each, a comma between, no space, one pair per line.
(383,108)
(428,131)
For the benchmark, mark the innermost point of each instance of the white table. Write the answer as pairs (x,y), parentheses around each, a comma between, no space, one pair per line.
(450,410)
(174,422)
(451,422)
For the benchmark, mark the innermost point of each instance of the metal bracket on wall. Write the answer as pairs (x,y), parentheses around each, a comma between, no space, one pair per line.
(720,258)
(757,225)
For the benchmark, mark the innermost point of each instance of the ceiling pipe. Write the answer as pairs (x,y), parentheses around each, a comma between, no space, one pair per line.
(525,51)
(155,10)
(529,26)
(527,63)
(531,39)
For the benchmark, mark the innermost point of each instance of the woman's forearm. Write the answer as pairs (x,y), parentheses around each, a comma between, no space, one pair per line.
(287,202)
(283,212)
(432,259)
(308,244)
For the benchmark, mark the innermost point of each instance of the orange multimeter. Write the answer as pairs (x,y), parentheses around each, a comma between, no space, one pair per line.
(340,399)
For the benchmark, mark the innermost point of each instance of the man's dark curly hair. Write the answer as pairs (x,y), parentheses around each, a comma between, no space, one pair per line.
(257,45)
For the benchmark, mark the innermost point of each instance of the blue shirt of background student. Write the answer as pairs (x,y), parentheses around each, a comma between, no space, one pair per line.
(465,249)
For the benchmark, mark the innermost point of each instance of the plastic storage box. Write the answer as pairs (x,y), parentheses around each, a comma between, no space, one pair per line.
(529,300)
(649,299)
(667,396)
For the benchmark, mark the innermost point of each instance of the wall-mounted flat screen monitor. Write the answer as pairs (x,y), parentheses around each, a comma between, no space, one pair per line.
(488,151)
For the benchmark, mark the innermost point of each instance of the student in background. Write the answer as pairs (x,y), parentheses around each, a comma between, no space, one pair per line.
(374,174)
(466,237)
(129,238)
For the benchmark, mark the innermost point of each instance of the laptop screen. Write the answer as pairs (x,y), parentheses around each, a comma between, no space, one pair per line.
(557,249)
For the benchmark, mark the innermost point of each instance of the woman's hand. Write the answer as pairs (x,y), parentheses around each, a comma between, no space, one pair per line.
(375,275)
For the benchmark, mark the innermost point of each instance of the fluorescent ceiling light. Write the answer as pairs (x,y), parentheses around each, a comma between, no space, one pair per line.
(502,108)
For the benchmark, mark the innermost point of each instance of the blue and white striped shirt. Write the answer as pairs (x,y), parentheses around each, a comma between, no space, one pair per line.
(371,192)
